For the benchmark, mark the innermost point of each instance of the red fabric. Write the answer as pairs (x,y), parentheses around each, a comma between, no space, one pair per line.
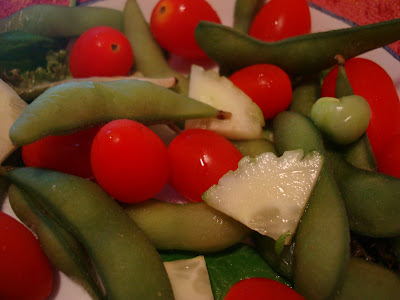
(8,7)
(364,12)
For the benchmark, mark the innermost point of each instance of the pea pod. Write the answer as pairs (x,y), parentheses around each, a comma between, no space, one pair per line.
(244,13)
(191,227)
(72,106)
(149,58)
(60,21)
(127,263)
(322,238)
(304,54)
(366,280)
(62,249)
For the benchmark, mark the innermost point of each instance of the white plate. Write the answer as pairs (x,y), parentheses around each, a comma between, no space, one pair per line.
(65,289)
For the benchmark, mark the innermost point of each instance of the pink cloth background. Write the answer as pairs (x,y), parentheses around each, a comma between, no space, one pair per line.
(357,11)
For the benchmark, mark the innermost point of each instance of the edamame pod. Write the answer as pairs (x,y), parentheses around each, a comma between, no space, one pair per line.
(254,147)
(62,249)
(304,96)
(359,153)
(244,13)
(191,227)
(366,280)
(149,58)
(322,238)
(372,199)
(304,54)
(61,21)
(128,265)
(72,106)
(282,263)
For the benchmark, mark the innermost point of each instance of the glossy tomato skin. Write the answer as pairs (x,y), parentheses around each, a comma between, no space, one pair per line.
(371,81)
(129,161)
(280,19)
(65,153)
(258,288)
(267,85)
(101,51)
(173,22)
(198,158)
(25,272)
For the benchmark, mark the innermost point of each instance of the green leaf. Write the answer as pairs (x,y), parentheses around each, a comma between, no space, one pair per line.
(25,51)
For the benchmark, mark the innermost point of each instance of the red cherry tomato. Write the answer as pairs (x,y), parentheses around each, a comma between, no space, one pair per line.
(65,153)
(198,158)
(173,23)
(267,85)
(258,288)
(388,159)
(371,81)
(101,51)
(280,19)
(25,272)
(129,161)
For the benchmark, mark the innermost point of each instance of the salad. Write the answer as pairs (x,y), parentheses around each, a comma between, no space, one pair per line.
(314,155)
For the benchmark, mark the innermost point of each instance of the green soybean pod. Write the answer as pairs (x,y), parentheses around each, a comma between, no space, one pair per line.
(367,280)
(190,227)
(62,249)
(72,106)
(149,58)
(372,199)
(322,238)
(127,263)
(299,55)
(61,21)
(304,96)
(244,13)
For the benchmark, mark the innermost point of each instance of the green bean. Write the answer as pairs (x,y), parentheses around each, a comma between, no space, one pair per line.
(366,280)
(60,21)
(72,106)
(304,54)
(62,249)
(149,58)
(322,237)
(191,227)
(244,13)
(128,265)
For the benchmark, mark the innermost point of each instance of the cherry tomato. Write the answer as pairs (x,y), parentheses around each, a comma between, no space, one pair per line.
(198,158)
(101,51)
(65,153)
(280,19)
(129,161)
(25,272)
(267,85)
(173,23)
(388,160)
(258,288)
(371,81)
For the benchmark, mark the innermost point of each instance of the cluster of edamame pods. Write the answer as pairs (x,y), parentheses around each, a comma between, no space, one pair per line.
(81,227)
